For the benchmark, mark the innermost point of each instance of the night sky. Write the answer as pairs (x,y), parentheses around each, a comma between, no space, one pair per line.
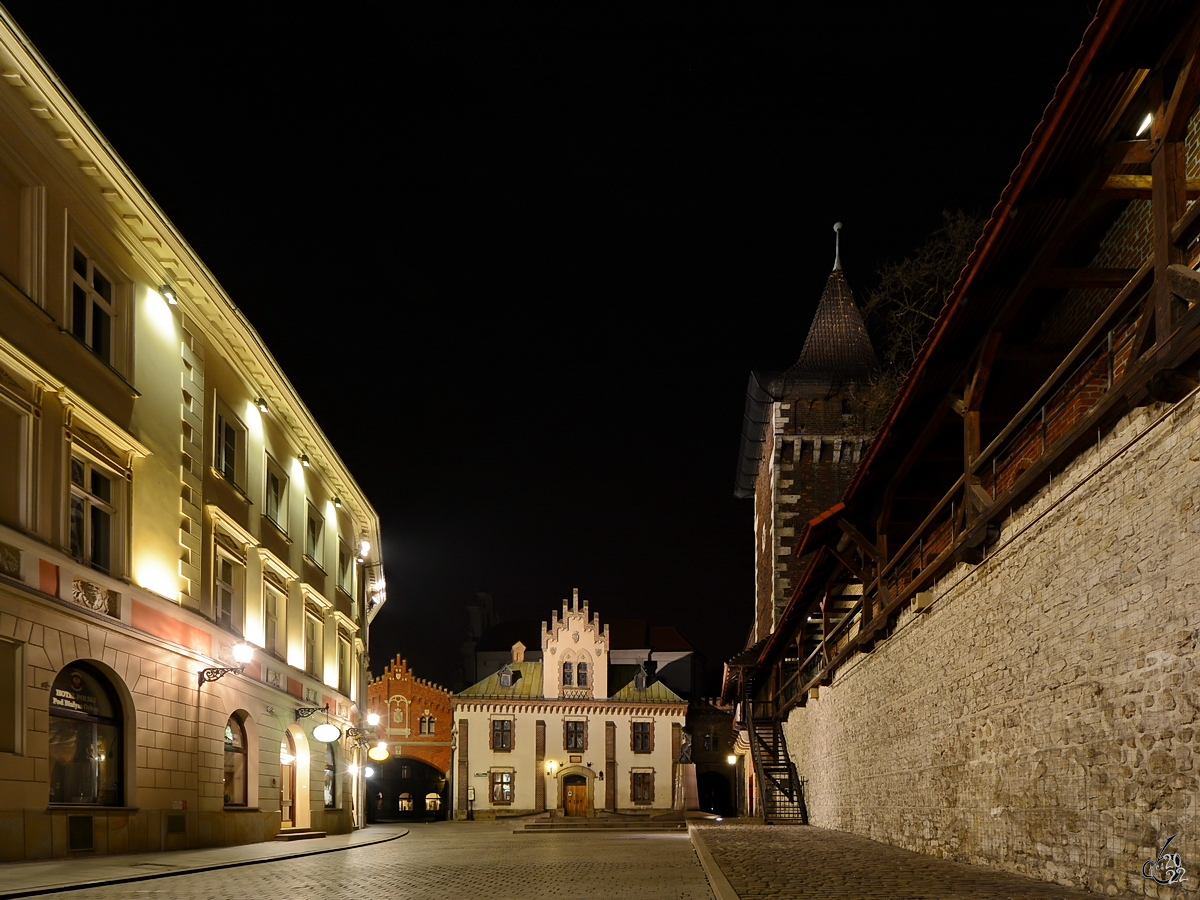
(547,245)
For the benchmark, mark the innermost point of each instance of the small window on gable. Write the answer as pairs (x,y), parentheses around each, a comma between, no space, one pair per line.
(506,677)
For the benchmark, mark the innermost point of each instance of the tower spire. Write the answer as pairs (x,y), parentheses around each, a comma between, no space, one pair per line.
(837,246)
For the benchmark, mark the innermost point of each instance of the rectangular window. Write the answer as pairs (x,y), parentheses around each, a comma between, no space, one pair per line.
(643,787)
(275,501)
(502,787)
(92,305)
(226,593)
(576,736)
(502,734)
(643,737)
(229,447)
(343,666)
(345,566)
(273,607)
(93,514)
(314,537)
(312,645)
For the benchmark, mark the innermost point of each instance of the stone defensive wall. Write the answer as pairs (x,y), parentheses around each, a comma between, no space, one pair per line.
(1040,716)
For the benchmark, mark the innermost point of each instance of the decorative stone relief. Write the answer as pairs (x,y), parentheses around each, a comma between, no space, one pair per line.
(94,597)
(310,695)
(10,561)
(274,678)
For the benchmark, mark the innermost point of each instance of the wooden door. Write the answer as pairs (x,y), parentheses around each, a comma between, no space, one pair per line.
(287,781)
(575,795)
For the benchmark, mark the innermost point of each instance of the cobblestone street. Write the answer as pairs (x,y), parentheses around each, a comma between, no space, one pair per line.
(452,862)
(764,862)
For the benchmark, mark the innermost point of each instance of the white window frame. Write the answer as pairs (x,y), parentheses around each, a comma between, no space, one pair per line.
(314,543)
(313,639)
(274,625)
(229,590)
(275,508)
(85,293)
(228,425)
(83,497)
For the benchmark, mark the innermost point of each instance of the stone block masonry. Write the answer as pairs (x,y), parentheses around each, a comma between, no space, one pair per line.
(1042,716)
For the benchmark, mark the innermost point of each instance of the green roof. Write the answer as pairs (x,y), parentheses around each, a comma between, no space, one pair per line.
(655,692)
(527,684)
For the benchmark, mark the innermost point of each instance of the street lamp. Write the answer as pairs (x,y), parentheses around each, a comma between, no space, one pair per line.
(242,653)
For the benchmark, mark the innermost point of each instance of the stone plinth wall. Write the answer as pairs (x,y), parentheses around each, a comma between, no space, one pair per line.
(1041,717)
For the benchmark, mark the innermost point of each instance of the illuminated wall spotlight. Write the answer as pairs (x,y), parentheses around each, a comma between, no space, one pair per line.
(337,502)
(261,403)
(303,457)
(168,294)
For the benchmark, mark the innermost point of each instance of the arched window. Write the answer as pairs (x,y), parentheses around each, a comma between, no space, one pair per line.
(583,674)
(85,738)
(235,762)
(406,803)
(433,802)
(330,778)
(568,679)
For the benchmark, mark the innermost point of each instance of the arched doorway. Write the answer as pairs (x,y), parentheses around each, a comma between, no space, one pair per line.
(575,795)
(411,789)
(287,781)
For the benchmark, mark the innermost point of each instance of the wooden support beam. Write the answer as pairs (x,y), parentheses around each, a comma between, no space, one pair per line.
(1174,122)
(1167,206)
(983,369)
(1141,187)
(858,538)
(1183,282)
(849,564)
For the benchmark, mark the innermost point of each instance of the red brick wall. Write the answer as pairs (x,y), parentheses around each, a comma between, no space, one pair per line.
(401,700)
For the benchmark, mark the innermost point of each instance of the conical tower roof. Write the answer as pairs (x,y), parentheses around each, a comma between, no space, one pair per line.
(837,347)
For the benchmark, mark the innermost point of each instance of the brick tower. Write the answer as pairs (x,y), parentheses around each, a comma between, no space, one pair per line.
(802,438)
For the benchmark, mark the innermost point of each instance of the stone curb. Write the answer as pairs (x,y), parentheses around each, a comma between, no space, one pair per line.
(84,885)
(720,885)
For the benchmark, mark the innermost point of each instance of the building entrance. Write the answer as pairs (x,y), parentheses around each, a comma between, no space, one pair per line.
(575,795)
(287,781)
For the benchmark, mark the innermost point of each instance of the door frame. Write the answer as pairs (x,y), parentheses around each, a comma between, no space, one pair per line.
(589,777)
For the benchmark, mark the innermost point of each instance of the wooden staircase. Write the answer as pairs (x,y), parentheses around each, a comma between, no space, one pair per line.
(780,790)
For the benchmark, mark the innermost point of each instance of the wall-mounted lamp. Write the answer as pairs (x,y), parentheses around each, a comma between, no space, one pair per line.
(242,652)
(551,765)
(372,719)
(168,294)
(379,752)
(364,546)
(337,502)
(369,772)
(599,776)
(303,457)
(261,403)
(326,732)
(731,759)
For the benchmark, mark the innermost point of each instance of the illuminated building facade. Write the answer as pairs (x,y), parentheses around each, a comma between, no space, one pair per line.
(165,499)
(574,734)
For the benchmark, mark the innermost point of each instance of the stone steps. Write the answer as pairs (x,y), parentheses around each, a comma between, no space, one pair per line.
(298,834)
